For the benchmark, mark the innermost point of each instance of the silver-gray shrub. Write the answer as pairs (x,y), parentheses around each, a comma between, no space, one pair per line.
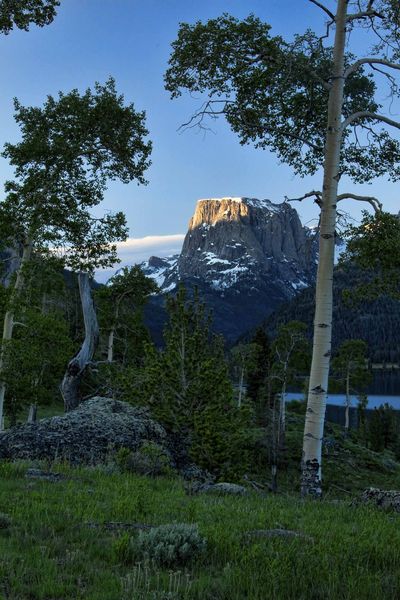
(170,545)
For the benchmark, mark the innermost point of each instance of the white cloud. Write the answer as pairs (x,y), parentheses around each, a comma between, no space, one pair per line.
(137,250)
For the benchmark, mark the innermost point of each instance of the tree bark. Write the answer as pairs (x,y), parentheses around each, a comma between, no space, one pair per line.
(8,324)
(318,386)
(282,416)
(111,335)
(70,386)
(241,387)
(110,345)
(32,413)
(347,411)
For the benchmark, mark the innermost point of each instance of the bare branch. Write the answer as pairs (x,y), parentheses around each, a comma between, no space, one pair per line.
(364,114)
(314,194)
(370,61)
(197,119)
(374,202)
(324,8)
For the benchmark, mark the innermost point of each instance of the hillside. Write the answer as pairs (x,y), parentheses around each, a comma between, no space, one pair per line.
(69,538)
(377,322)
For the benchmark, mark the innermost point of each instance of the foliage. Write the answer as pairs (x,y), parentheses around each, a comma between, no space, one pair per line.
(38,354)
(68,152)
(374,245)
(274,93)
(21,13)
(258,374)
(149,459)
(383,429)
(120,306)
(291,353)
(42,340)
(187,386)
(350,364)
(171,545)
(376,321)
(242,359)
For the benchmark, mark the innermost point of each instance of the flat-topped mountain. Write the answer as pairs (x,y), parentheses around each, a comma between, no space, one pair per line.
(246,256)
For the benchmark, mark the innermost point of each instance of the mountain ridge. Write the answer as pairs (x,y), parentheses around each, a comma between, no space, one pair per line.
(246,256)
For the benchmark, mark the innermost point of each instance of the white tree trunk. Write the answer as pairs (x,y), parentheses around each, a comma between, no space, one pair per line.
(241,387)
(318,385)
(282,415)
(8,324)
(347,411)
(110,345)
(71,383)
(111,335)
(32,413)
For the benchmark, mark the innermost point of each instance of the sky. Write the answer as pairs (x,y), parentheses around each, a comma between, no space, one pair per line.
(131,40)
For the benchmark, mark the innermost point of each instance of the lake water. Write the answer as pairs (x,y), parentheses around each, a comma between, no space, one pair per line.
(340,400)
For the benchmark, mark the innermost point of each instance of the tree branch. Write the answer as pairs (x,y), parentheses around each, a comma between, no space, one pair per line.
(365,114)
(324,8)
(314,194)
(370,61)
(374,202)
(365,14)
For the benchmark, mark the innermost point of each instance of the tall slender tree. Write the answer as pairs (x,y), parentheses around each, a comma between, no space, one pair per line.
(70,149)
(351,370)
(314,104)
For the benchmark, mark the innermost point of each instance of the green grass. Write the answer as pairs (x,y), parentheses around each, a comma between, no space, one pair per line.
(51,553)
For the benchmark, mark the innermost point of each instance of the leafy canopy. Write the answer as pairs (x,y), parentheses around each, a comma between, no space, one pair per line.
(21,13)
(70,149)
(274,93)
(374,245)
(350,362)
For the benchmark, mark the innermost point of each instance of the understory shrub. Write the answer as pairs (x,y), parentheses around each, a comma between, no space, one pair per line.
(171,545)
(151,459)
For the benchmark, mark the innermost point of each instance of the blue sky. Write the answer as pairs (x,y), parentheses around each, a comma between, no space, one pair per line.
(130,40)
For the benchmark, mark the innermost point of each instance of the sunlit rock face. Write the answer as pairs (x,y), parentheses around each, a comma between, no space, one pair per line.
(246,256)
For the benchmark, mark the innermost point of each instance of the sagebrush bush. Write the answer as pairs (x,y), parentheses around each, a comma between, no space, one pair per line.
(170,545)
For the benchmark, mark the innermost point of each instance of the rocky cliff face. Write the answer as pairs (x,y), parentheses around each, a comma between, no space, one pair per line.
(232,240)
(247,256)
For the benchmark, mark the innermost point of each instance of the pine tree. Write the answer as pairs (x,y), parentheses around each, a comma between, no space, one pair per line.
(258,385)
(188,388)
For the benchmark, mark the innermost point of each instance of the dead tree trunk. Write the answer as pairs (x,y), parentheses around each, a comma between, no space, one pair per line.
(70,386)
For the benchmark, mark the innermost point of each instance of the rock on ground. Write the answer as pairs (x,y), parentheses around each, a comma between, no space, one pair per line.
(223,488)
(381,498)
(87,435)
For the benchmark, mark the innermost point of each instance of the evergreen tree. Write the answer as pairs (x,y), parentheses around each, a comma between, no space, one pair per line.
(188,389)
(383,429)
(258,384)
